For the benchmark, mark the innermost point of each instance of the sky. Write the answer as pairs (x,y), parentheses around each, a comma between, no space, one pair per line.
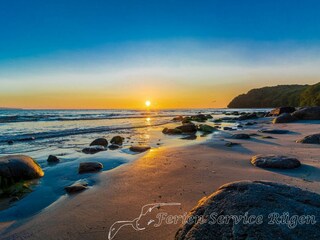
(177,54)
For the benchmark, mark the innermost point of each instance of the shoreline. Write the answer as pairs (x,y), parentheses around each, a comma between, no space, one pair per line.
(169,174)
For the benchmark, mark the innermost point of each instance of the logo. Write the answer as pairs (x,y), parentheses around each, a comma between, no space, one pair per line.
(137,223)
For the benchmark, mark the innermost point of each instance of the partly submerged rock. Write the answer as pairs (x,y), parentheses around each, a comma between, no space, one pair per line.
(118,140)
(171,131)
(178,118)
(93,149)
(225,213)
(274,131)
(53,159)
(284,118)
(311,139)
(76,187)
(187,128)
(100,142)
(139,148)
(247,116)
(206,128)
(280,110)
(240,136)
(275,161)
(15,168)
(85,167)
(199,118)
(307,113)
(113,147)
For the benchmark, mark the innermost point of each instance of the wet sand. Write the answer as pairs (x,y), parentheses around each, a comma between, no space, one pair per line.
(181,175)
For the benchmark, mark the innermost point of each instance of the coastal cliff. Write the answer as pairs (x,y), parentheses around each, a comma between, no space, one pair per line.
(281,95)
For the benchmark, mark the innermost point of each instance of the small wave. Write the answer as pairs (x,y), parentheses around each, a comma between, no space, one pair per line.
(46,118)
(70,132)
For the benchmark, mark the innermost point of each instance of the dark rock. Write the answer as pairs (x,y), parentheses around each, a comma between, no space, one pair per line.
(171,131)
(186,120)
(248,116)
(15,168)
(118,140)
(113,147)
(93,149)
(280,110)
(206,128)
(253,198)
(10,142)
(53,159)
(208,116)
(188,128)
(274,131)
(308,113)
(100,142)
(241,136)
(275,161)
(76,187)
(178,118)
(85,167)
(267,137)
(311,139)
(199,118)
(139,148)
(228,128)
(284,118)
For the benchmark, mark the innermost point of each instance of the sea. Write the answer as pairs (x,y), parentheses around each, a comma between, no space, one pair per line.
(64,133)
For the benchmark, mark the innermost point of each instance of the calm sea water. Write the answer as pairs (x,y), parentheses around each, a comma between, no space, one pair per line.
(34,129)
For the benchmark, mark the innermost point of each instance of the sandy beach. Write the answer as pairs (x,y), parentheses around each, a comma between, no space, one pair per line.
(170,174)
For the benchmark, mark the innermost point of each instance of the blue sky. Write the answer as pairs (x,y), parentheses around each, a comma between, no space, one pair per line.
(32,27)
(187,42)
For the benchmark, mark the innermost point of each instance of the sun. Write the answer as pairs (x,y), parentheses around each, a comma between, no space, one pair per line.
(148,103)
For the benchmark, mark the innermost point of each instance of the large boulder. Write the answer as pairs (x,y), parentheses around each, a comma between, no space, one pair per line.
(15,168)
(284,118)
(118,140)
(275,161)
(280,110)
(86,167)
(311,139)
(100,142)
(187,128)
(307,113)
(253,210)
